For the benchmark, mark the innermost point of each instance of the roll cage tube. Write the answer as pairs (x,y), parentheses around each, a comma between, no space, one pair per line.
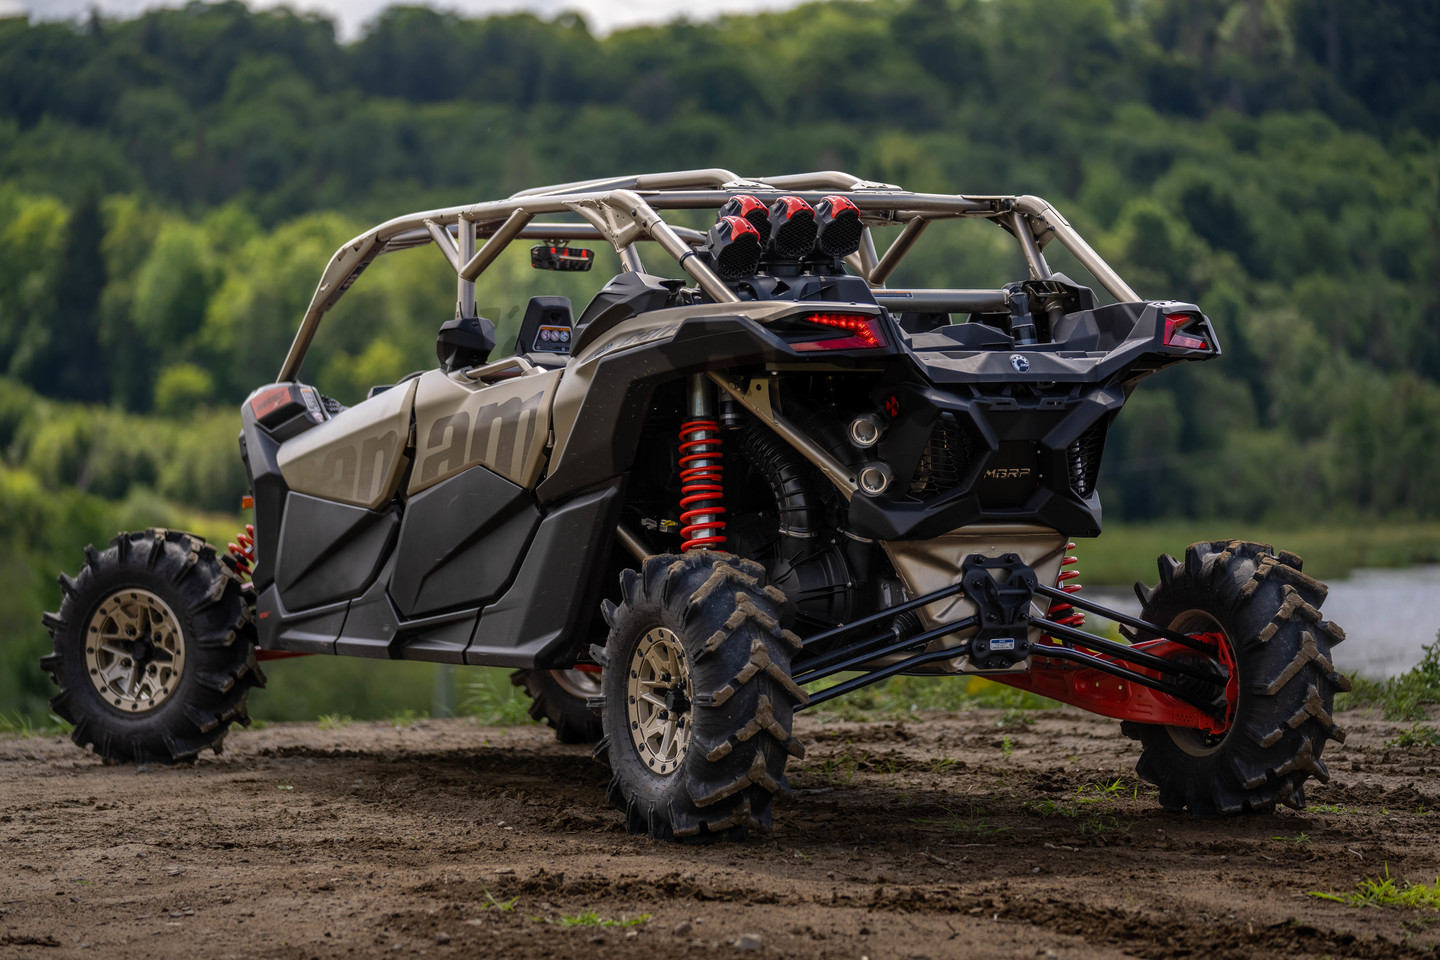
(625,210)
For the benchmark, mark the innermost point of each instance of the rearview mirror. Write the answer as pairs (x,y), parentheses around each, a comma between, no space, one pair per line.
(551,257)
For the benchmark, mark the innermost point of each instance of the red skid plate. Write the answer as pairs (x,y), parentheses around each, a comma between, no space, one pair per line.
(1116,697)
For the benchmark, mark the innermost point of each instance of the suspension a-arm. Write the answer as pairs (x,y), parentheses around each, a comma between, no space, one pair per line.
(1175,679)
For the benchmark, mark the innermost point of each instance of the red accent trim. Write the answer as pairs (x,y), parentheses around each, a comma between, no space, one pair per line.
(1174,323)
(1115,697)
(278,654)
(739,226)
(794,205)
(866,330)
(587,667)
(701,487)
(748,204)
(892,406)
(271,400)
(839,205)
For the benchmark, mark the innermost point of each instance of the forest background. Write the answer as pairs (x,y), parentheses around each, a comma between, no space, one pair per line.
(172,185)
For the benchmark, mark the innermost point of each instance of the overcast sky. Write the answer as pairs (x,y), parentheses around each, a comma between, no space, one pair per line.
(602,15)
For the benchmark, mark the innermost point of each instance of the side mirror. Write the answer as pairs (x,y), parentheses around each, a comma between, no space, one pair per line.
(552,257)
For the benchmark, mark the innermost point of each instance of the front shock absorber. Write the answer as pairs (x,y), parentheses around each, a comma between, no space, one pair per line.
(243,553)
(702,487)
(1064,613)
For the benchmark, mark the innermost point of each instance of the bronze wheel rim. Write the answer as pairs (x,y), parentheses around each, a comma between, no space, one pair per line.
(134,650)
(658,701)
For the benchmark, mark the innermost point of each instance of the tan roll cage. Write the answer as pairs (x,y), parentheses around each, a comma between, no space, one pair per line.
(624,210)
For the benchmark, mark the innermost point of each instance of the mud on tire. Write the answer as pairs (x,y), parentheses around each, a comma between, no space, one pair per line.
(153,649)
(726,636)
(560,698)
(1270,612)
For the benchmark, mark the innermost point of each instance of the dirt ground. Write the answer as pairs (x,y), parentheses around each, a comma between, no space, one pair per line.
(945,837)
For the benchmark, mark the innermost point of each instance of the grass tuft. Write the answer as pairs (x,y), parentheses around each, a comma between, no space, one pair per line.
(1404,697)
(1386,891)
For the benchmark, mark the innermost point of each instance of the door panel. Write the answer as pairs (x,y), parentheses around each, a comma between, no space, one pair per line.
(460,542)
(329,551)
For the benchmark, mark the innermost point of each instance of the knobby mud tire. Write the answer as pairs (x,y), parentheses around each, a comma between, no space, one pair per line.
(567,713)
(743,697)
(216,630)
(1270,611)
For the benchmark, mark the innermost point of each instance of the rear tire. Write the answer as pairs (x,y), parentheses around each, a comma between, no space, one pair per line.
(1269,612)
(698,701)
(559,698)
(154,650)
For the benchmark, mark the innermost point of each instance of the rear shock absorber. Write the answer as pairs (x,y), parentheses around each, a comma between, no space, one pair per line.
(243,552)
(1064,613)
(702,488)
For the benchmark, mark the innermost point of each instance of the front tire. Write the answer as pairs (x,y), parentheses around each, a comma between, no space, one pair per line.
(697,699)
(1268,613)
(153,649)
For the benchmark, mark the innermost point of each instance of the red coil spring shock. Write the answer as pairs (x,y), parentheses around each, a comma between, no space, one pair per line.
(701,485)
(1064,613)
(244,552)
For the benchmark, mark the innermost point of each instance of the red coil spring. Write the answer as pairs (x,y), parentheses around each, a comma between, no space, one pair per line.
(244,552)
(701,485)
(1064,613)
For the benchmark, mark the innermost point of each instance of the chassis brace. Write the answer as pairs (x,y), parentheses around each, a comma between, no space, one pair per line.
(1169,680)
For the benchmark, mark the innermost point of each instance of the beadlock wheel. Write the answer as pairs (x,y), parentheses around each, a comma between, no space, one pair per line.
(659,698)
(134,650)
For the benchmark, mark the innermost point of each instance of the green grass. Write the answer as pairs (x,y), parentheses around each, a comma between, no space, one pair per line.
(1386,891)
(901,698)
(1404,697)
(1125,553)
(335,721)
(1419,735)
(591,918)
(494,701)
(18,724)
(504,906)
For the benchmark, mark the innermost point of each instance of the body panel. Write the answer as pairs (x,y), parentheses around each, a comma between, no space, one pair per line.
(356,457)
(460,423)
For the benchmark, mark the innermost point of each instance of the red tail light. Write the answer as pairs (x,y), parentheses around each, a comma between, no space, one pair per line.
(864,331)
(1175,324)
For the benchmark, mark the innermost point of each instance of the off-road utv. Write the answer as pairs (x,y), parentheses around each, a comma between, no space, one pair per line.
(687,511)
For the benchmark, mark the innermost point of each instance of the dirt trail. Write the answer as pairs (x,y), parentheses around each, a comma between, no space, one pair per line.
(933,838)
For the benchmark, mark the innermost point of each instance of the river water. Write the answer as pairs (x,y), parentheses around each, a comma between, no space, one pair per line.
(1387,616)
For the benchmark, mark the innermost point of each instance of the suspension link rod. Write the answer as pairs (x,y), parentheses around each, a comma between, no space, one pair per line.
(1115,670)
(1130,654)
(1090,606)
(888,612)
(884,673)
(852,657)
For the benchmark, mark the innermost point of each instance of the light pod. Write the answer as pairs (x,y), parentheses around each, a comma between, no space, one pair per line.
(744,205)
(792,228)
(837,228)
(734,247)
